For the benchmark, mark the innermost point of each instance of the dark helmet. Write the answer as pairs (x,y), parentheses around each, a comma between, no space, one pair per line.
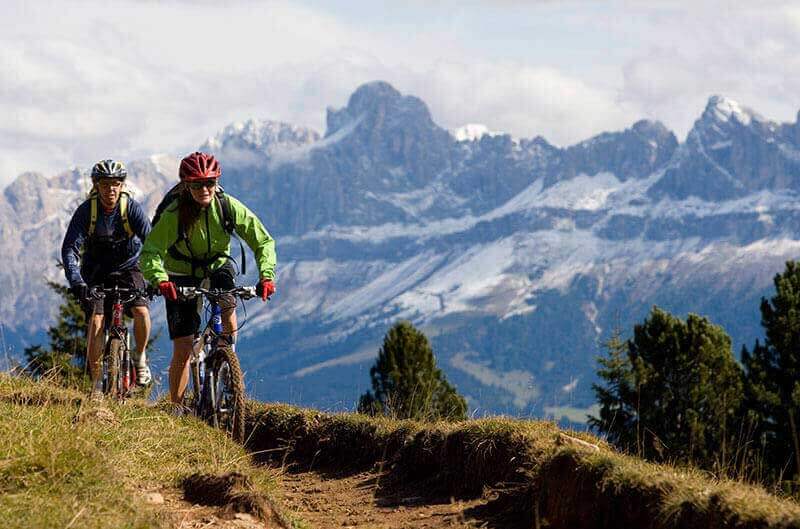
(199,166)
(109,169)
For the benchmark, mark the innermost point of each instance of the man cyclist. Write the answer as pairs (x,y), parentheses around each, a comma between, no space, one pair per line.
(190,243)
(101,248)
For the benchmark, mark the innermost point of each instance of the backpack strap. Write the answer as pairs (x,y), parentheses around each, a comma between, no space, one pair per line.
(123,212)
(225,208)
(94,209)
(229,224)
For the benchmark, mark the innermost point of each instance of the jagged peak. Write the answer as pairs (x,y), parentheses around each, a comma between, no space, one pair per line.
(374,98)
(650,127)
(723,109)
(261,134)
(374,89)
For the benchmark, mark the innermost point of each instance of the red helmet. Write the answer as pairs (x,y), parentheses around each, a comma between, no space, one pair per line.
(199,166)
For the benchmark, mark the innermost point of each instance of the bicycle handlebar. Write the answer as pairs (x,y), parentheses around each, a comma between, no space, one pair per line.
(216,293)
(126,294)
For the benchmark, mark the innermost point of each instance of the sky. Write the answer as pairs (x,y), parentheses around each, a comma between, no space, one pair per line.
(89,79)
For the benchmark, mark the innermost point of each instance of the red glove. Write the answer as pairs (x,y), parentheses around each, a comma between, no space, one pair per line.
(167,289)
(265,288)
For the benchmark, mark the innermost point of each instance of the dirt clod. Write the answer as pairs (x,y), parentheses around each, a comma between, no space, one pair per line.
(232,491)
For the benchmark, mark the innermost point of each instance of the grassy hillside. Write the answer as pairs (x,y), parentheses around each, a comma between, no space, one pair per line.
(547,477)
(67,463)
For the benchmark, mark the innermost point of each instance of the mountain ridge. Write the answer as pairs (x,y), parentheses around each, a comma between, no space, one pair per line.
(513,254)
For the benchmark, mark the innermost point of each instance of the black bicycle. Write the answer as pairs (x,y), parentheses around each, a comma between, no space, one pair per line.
(217,382)
(119,370)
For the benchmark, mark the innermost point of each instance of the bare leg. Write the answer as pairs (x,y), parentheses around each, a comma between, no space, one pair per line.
(141,330)
(179,368)
(229,322)
(94,349)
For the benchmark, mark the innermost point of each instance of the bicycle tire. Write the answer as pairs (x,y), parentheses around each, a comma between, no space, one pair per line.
(228,406)
(113,384)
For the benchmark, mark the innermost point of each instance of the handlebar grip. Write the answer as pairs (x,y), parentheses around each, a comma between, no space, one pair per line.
(187,292)
(248,292)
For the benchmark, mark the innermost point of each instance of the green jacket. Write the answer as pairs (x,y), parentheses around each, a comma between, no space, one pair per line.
(207,237)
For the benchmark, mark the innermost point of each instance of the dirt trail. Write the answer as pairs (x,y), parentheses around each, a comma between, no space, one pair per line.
(181,514)
(361,500)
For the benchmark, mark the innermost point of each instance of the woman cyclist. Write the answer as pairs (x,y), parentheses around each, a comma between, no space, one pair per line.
(190,243)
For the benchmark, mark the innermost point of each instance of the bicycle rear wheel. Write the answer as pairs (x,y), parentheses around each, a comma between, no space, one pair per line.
(228,405)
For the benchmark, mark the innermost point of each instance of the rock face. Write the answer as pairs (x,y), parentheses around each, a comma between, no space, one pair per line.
(515,256)
(731,152)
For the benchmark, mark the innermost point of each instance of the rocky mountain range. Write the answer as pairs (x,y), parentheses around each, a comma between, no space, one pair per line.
(516,256)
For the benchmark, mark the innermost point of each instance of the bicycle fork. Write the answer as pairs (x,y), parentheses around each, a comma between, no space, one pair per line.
(128,379)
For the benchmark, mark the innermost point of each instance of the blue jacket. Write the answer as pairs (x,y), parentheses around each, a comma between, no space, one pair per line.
(88,259)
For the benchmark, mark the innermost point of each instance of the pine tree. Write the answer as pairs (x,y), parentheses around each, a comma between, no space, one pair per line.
(773,376)
(66,356)
(406,382)
(617,417)
(678,393)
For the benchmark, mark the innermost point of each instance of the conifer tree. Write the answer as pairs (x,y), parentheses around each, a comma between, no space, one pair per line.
(406,382)
(66,355)
(617,417)
(679,392)
(773,376)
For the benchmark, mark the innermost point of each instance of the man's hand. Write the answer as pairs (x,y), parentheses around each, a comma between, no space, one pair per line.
(265,288)
(167,289)
(80,291)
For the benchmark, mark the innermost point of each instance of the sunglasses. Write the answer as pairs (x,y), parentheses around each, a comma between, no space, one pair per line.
(196,186)
(109,182)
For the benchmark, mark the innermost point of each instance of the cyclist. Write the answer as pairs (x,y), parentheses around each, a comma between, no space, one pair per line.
(101,248)
(190,243)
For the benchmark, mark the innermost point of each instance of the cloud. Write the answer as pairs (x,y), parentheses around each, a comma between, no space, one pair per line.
(746,54)
(142,77)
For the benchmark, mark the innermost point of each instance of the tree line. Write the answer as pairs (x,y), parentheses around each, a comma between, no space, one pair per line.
(675,392)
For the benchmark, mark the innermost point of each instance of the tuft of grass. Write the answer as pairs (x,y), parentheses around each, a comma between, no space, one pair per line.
(67,463)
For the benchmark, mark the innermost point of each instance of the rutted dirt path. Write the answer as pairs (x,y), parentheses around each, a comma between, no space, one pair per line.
(361,500)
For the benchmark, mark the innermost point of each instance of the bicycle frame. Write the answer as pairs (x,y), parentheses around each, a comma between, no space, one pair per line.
(213,365)
(204,347)
(121,330)
(115,329)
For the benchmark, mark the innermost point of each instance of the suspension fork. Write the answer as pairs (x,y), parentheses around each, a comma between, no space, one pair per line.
(210,383)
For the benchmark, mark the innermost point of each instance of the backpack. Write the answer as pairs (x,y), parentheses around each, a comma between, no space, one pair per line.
(228,225)
(94,209)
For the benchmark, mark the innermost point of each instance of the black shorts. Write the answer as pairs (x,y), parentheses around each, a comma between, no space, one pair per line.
(183,317)
(131,278)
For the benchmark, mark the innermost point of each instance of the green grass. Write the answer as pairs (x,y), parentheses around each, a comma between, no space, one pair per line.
(67,463)
(546,475)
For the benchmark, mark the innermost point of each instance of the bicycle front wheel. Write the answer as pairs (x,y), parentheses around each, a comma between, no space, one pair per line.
(228,405)
(114,374)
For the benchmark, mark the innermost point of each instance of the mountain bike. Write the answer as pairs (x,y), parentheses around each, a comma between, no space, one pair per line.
(216,394)
(119,370)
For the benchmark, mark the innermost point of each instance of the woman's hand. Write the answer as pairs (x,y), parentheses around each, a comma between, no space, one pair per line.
(168,290)
(265,288)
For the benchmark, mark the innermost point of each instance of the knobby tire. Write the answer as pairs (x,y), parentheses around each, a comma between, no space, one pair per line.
(113,384)
(231,386)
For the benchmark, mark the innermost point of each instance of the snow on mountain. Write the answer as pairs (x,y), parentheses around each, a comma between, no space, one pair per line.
(473,132)
(725,109)
(515,256)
